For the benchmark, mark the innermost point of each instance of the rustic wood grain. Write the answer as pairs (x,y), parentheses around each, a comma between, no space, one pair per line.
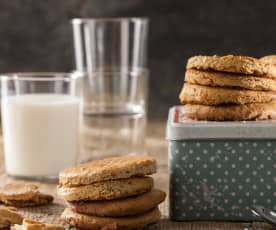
(157,147)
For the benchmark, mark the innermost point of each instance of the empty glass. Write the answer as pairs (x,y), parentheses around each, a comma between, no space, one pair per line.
(111,54)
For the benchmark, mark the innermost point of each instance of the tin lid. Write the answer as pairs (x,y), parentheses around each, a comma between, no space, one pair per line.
(179,129)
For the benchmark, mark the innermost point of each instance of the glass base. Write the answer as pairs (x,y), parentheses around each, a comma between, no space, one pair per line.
(44,179)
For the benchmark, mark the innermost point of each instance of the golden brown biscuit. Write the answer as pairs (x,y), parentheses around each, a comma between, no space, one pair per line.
(232,64)
(121,207)
(270,59)
(22,194)
(205,95)
(35,225)
(83,221)
(258,111)
(37,200)
(108,169)
(18,191)
(107,190)
(9,216)
(229,80)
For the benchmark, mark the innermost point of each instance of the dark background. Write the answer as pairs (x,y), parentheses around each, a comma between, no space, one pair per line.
(35,35)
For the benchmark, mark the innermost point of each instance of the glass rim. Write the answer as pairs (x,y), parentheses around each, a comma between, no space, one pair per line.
(41,76)
(133,72)
(109,19)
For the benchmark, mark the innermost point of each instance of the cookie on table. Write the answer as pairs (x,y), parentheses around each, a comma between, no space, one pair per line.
(270,59)
(22,194)
(108,169)
(220,79)
(121,207)
(205,95)
(9,216)
(107,190)
(83,221)
(35,225)
(258,111)
(232,64)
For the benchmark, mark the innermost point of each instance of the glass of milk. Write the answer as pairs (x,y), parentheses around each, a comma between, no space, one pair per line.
(40,120)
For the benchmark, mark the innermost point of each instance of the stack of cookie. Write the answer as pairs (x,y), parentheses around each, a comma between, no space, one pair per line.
(113,193)
(222,88)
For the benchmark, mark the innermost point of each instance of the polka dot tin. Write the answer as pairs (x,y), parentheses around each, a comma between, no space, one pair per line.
(218,170)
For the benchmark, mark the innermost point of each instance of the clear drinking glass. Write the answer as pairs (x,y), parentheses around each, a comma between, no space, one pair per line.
(40,121)
(111,53)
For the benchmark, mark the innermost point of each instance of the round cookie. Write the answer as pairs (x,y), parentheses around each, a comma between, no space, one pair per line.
(205,95)
(121,207)
(18,191)
(108,169)
(232,64)
(212,78)
(259,111)
(270,59)
(82,221)
(107,190)
(37,200)
(22,194)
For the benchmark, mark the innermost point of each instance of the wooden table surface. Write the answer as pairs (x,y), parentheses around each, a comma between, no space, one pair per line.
(157,147)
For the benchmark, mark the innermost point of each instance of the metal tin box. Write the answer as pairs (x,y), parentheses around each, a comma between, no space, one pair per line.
(218,170)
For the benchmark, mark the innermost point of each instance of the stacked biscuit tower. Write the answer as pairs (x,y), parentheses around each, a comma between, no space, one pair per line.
(222,88)
(113,193)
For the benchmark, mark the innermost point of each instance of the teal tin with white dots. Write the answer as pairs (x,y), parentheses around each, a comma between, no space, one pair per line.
(218,170)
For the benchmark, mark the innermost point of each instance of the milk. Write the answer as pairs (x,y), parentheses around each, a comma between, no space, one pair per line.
(40,133)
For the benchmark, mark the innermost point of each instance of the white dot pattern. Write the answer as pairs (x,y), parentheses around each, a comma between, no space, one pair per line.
(220,180)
